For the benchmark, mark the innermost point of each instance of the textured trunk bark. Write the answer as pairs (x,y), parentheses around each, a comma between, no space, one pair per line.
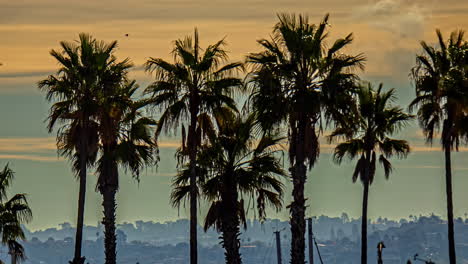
(193,216)
(230,226)
(364,223)
(448,189)
(192,144)
(311,243)
(13,258)
(78,259)
(109,205)
(298,215)
(298,226)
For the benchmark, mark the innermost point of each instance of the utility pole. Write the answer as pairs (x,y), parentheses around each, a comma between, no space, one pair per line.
(278,246)
(311,243)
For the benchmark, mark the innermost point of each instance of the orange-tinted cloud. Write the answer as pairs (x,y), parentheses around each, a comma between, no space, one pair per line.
(30,158)
(384,29)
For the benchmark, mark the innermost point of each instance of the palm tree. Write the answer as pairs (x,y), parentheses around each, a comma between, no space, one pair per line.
(440,78)
(298,81)
(13,213)
(367,133)
(125,141)
(73,90)
(188,90)
(234,165)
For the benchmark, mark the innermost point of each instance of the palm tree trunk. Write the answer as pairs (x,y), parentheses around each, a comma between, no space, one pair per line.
(298,215)
(364,223)
(448,188)
(193,215)
(109,205)
(13,257)
(193,186)
(230,224)
(78,259)
(298,205)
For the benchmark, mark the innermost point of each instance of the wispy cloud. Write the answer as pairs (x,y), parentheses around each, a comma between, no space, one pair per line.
(30,158)
(405,18)
(162,174)
(44,148)
(30,145)
(430,167)
(169,144)
(24,74)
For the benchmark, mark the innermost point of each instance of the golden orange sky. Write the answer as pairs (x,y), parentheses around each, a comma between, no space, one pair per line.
(387,31)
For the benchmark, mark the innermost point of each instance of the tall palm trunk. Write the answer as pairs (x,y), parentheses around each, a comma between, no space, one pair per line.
(109,205)
(78,259)
(193,215)
(365,199)
(192,144)
(230,224)
(365,202)
(448,190)
(108,188)
(298,205)
(13,257)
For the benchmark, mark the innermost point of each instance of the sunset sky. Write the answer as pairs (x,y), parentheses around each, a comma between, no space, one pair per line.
(387,32)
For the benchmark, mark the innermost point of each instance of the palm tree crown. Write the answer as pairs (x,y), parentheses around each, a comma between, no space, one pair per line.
(196,81)
(367,133)
(296,78)
(74,90)
(440,78)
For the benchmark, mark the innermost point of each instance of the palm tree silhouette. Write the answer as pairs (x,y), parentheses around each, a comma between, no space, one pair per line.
(366,133)
(189,90)
(13,213)
(125,140)
(73,89)
(298,81)
(440,79)
(235,165)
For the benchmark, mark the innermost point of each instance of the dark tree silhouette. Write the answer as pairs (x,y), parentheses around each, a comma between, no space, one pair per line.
(297,81)
(125,140)
(366,133)
(441,83)
(187,91)
(235,165)
(74,89)
(14,212)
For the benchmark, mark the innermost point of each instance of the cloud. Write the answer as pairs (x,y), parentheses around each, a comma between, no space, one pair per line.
(162,174)
(404,18)
(431,167)
(42,148)
(169,144)
(32,149)
(30,158)
(25,74)
(175,11)
(30,145)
